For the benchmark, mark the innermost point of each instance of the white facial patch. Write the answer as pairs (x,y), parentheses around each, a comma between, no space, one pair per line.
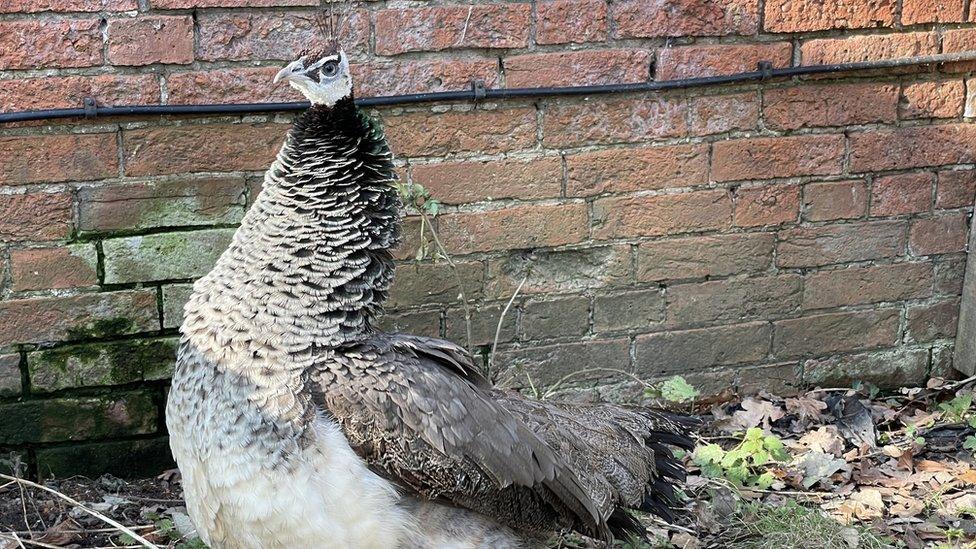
(327,91)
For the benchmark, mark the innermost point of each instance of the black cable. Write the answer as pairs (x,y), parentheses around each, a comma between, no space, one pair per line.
(480,94)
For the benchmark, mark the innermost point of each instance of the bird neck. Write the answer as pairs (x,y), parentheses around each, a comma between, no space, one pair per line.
(310,264)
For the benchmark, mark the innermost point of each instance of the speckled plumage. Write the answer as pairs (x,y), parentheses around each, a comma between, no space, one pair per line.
(297,424)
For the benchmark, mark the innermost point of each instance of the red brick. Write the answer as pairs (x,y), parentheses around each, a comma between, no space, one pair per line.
(901,194)
(828,201)
(148,40)
(565,21)
(812,15)
(42,44)
(52,92)
(969,110)
(696,61)
(766,205)
(913,147)
(577,68)
(248,36)
(186,4)
(958,41)
(704,256)
(842,287)
(436,283)
(614,121)
(808,105)
(445,27)
(932,100)
(654,18)
(623,217)
(37,217)
(771,157)
(550,364)
(713,114)
(461,182)
(34,6)
(483,131)
(933,321)
(956,189)
(237,85)
(559,271)
(514,228)
(422,76)
(815,246)
(53,268)
(81,316)
(938,235)
(932,11)
(822,334)
(53,158)
(868,48)
(625,170)
(202,148)
(733,300)
(681,352)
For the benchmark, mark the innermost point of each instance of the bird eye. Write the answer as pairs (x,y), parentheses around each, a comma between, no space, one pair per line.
(330,69)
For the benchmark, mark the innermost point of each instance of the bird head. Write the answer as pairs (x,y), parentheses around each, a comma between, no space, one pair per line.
(322,74)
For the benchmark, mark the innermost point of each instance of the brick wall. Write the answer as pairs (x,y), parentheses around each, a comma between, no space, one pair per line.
(796,232)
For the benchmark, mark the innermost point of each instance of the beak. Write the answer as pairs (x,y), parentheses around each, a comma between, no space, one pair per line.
(290,71)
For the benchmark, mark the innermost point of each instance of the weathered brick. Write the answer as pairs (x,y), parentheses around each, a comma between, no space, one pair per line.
(425,283)
(97,364)
(82,418)
(780,379)
(175,297)
(61,92)
(38,44)
(897,282)
(653,18)
(53,268)
(474,181)
(704,256)
(769,157)
(913,147)
(483,131)
(624,170)
(55,158)
(827,201)
(10,382)
(932,321)
(812,15)
(932,11)
(639,309)
(34,6)
(932,100)
(484,322)
(186,4)
(422,76)
(550,364)
(680,352)
(949,274)
(733,300)
(938,235)
(614,121)
(808,105)
(622,217)
(148,40)
(449,27)
(766,205)
(35,216)
(560,317)
(698,61)
(236,85)
(969,107)
(825,51)
(514,228)
(564,21)
(548,271)
(834,332)
(711,114)
(160,203)
(956,189)
(577,68)
(163,256)
(814,246)
(901,194)
(887,369)
(248,36)
(414,243)
(423,323)
(203,147)
(77,317)
(128,459)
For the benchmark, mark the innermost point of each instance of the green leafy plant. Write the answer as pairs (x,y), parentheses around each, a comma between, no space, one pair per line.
(959,409)
(675,389)
(746,463)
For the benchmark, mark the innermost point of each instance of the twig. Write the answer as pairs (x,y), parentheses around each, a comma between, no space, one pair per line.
(16,538)
(457,275)
(20,543)
(107,520)
(954,384)
(664,524)
(464,31)
(555,386)
(501,319)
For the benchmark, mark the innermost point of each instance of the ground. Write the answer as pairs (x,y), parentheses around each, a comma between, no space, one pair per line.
(833,468)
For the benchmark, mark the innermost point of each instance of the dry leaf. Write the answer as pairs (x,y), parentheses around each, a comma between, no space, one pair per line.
(756,412)
(825,439)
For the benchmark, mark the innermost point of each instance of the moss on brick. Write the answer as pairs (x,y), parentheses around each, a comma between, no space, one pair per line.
(103,327)
(74,419)
(97,364)
(165,256)
(125,459)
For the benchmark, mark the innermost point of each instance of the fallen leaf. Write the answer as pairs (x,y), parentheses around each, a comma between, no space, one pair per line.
(819,467)
(756,413)
(825,439)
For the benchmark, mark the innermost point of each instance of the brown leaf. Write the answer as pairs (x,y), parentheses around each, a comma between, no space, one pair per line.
(61,534)
(756,412)
(825,439)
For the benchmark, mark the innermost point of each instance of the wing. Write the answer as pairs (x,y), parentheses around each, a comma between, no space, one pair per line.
(418,412)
